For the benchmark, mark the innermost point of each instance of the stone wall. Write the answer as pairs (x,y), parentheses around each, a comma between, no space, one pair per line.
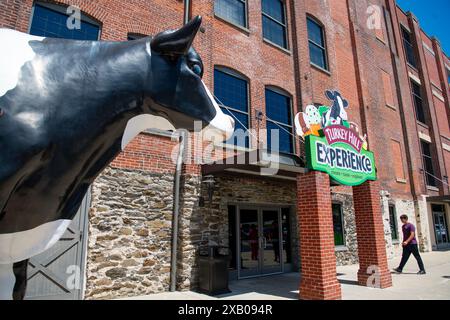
(130,225)
(129,234)
(424,224)
(402,206)
(349,253)
(191,225)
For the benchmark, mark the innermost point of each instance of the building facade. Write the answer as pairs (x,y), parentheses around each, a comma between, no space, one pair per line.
(265,61)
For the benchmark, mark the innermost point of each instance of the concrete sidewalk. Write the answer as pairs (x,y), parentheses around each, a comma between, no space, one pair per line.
(407,286)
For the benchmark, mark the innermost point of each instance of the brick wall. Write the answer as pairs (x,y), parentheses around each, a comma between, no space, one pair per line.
(358,58)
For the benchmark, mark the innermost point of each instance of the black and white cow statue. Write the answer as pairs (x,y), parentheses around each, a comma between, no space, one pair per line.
(67,108)
(337,114)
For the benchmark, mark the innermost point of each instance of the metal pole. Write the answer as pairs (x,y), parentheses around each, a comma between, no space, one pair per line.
(187,8)
(176,206)
(176,214)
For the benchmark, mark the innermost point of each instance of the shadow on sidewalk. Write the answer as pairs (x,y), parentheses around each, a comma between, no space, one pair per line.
(349,282)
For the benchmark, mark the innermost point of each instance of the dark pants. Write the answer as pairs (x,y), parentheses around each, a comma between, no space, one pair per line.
(407,250)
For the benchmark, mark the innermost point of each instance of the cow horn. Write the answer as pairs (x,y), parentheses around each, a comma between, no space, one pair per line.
(177,42)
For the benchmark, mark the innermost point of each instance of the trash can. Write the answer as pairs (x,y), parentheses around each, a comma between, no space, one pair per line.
(213,268)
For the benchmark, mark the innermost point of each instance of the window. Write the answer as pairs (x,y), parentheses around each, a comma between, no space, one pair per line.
(274,22)
(317,46)
(232,93)
(338,225)
(279,117)
(51,21)
(418,102)
(409,48)
(234,11)
(393,222)
(428,164)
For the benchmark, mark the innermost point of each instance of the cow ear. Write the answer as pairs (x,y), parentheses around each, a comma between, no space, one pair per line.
(345,102)
(179,41)
(329,94)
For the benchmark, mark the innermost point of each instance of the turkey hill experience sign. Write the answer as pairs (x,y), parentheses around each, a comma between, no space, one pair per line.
(334,145)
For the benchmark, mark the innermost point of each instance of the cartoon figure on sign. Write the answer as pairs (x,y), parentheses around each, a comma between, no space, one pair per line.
(337,114)
(355,128)
(308,122)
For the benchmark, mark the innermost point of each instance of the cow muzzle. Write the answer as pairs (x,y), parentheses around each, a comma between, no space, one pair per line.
(221,127)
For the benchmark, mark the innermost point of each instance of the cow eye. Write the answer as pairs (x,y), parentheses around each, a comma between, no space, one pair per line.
(197,69)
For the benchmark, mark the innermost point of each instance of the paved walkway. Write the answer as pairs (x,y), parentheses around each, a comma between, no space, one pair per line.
(407,286)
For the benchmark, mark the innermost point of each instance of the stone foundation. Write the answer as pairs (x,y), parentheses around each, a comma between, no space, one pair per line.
(130,227)
(129,234)
(349,253)
(402,206)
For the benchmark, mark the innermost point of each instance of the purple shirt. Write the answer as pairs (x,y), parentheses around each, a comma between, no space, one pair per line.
(407,228)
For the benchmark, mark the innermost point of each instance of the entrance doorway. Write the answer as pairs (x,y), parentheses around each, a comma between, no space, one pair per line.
(440,227)
(263,242)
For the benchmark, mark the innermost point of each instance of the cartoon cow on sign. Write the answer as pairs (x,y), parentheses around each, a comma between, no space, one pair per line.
(337,114)
(68,108)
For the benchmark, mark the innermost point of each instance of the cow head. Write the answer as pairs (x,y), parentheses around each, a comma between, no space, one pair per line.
(338,111)
(177,96)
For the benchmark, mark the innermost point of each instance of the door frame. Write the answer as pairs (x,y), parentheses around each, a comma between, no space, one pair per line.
(259,208)
(85,243)
(440,246)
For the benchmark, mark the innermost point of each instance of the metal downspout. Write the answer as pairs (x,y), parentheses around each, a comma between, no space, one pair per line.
(187,9)
(176,212)
(176,206)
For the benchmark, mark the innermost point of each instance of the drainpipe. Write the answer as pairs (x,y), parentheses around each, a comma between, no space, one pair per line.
(176,212)
(187,9)
(176,206)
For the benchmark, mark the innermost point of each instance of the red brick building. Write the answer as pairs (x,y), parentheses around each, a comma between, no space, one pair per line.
(266,60)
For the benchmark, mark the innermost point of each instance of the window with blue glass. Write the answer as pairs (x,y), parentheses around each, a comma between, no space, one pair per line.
(232,95)
(279,117)
(52,22)
(274,22)
(317,46)
(234,11)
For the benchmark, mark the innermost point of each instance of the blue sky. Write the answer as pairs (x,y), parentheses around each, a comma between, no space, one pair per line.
(434,18)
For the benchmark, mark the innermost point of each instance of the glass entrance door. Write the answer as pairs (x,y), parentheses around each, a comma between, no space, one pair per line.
(249,239)
(270,251)
(440,227)
(260,242)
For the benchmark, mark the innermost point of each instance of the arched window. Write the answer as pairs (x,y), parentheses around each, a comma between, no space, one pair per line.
(274,22)
(317,44)
(50,20)
(279,117)
(231,91)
